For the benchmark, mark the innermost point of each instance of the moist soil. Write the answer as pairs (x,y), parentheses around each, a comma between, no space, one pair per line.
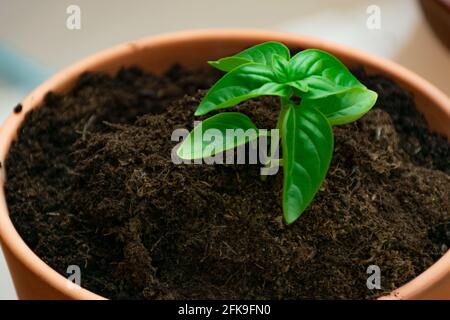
(91,183)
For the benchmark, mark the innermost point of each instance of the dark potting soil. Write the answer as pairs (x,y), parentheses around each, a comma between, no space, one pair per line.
(91,183)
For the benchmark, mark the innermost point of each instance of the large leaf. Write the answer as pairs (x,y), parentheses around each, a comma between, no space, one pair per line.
(217,134)
(322,73)
(243,83)
(307,141)
(261,53)
(344,107)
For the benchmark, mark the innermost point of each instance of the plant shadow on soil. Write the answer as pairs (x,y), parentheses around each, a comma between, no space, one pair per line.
(91,183)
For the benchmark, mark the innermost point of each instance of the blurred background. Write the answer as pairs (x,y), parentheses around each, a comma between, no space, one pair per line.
(35,41)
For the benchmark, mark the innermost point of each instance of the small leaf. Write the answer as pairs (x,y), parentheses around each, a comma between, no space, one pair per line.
(307,140)
(215,129)
(243,83)
(344,107)
(261,53)
(228,64)
(298,85)
(280,68)
(322,73)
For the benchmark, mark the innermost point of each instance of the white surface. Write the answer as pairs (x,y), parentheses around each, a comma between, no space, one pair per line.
(38,29)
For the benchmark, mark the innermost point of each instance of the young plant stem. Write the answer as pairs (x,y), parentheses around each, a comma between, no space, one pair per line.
(286,103)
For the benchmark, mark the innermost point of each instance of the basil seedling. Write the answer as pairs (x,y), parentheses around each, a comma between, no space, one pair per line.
(328,93)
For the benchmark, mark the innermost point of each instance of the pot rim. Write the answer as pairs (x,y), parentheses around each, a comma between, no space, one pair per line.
(11,239)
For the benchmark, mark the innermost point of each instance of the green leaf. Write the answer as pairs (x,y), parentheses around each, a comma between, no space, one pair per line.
(307,140)
(298,85)
(261,53)
(243,83)
(280,67)
(344,107)
(217,134)
(228,64)
(322,73)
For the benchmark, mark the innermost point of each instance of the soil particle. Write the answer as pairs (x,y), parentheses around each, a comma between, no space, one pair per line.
(91,182)
(18,108)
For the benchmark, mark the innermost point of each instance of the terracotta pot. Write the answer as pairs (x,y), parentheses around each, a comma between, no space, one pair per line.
(34,279)
(437,13)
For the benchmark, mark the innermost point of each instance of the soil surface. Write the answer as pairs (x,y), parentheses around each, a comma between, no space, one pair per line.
(91,183)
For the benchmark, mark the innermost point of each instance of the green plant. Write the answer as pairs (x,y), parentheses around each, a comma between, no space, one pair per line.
(329,95)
